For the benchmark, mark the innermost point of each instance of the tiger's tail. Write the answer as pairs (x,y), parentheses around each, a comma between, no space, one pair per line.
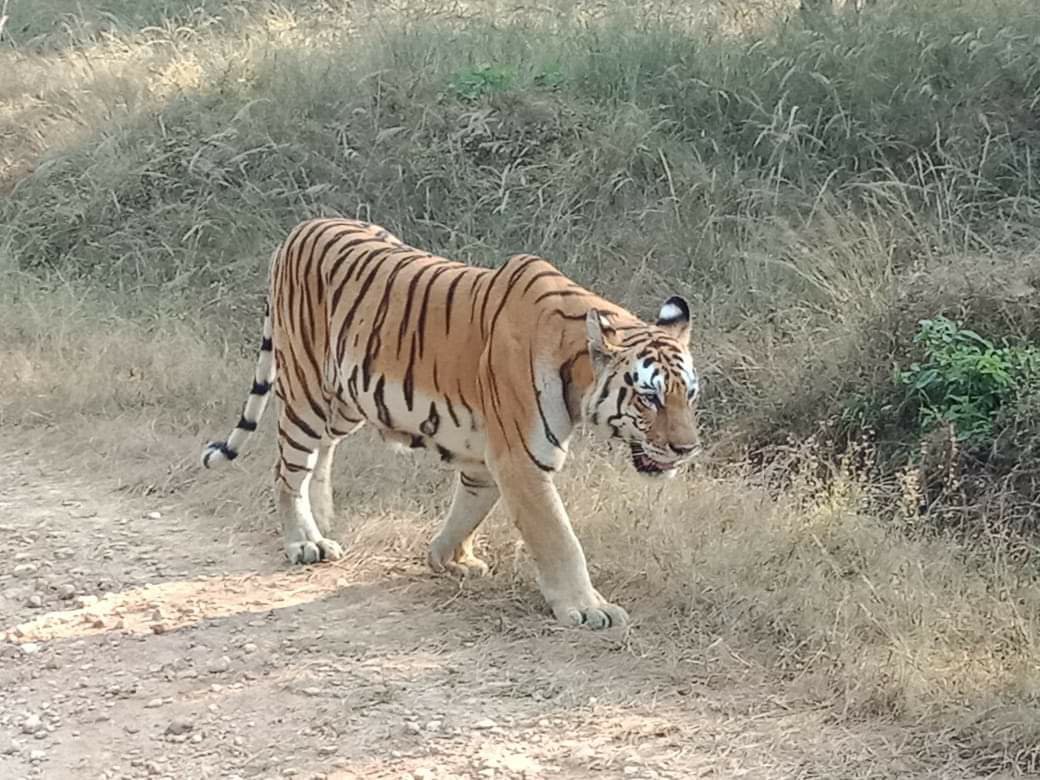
(217,452)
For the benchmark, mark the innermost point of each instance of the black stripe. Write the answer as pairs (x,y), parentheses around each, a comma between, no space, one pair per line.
(295,419)
(409,302)
(283,436)
(226,451)
(450,298)
(342,253)
(549,434)
(420,327)
(265,345)
(246,425)
(352,386)
(540,275)
(375,338)
(432,422)
(260,388)
(566,293)
(381,409)
(409,378)
(534,460)
(513,280)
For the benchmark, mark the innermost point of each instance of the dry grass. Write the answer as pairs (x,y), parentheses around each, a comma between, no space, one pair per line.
(153,156)
(811,588)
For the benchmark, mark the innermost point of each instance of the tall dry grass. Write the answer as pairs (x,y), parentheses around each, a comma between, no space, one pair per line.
(792,178)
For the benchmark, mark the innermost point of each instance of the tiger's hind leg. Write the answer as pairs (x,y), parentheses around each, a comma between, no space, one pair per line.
(452,548)
(300,448)
(321,484)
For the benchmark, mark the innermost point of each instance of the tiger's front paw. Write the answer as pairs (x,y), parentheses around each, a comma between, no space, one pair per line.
(597,616)
(312,552)
(442,558)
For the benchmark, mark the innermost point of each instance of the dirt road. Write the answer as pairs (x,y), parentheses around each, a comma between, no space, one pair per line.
(145,642)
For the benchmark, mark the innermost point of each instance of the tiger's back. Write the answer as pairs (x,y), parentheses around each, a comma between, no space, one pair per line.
(384,331)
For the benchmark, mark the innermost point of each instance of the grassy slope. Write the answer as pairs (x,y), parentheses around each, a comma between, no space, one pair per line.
(792,180)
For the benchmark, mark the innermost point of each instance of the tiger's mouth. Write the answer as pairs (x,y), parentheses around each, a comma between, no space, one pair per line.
(644,464)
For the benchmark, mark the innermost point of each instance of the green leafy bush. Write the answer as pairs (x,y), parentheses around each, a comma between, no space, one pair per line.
(964,379)
(473,83)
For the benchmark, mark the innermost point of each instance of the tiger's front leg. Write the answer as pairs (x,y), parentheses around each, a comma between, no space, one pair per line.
(452,548)
(563,576)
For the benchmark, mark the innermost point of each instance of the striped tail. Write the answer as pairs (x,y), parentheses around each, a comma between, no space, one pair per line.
(217,452)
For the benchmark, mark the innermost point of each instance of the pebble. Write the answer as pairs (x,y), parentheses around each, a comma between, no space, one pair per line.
(179,726)
(154,703)
(222,664)
(25,569)
(32,724)
(86,601)
(37,756)
(484,725)
(30,648)
(35,600)
(153,515)
(66,591)
(249,647)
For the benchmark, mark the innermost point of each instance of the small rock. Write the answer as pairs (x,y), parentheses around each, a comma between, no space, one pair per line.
(36,756)
(66,591)
(484,725)
(154,703)
(249,647)
(160,628)
(178,727)
(290,772)
(86,601)
(30,648)
(152,515)
(7,746)
(152,768)
(412,728)
(25,569)
(35,600)
(433,725)
(196,738)
(222,664)
(32,724)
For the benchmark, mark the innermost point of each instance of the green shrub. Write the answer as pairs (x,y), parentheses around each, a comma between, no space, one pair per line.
(965,380)
(473,83)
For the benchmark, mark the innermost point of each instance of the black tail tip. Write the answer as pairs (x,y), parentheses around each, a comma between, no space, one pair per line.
(215,447)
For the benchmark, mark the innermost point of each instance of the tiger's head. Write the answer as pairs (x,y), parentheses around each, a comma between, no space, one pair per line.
(645,387)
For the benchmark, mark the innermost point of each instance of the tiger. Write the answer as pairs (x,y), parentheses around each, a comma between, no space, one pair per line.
(491,369)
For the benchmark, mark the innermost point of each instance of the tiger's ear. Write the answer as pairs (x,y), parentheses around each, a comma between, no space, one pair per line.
(674,317)
(599,334)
